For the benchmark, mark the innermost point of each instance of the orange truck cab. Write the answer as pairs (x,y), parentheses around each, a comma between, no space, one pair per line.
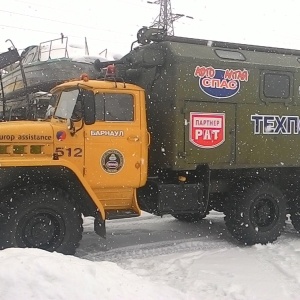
(90,157)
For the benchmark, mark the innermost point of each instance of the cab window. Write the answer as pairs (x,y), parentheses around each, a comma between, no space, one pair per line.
(114,107)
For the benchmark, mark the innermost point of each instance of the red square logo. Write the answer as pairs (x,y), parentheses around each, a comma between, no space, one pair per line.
(207,130)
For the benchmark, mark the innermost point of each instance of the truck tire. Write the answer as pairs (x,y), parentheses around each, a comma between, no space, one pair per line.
(295,213)
(41,217)
(191,217)
(256,213)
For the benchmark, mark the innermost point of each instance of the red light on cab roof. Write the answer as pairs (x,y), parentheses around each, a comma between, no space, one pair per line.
(84,77)
(111,70)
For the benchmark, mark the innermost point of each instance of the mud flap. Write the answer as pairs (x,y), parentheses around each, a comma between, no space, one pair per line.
(181,198)
(99,225)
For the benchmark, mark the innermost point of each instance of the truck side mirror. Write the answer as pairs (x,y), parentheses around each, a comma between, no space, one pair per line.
(89,109)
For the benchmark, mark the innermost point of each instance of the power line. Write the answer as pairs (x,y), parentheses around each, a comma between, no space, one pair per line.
(57,21)
(28,29)
(37,4)
(64,22)
(68,23)
(55,8)
(56,33)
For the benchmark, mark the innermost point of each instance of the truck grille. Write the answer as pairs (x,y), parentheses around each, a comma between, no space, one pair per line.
(21,149)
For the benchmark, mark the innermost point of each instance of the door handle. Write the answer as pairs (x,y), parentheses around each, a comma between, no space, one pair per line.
(133,138)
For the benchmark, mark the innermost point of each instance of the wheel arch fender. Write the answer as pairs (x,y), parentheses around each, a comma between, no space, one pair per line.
(55,172)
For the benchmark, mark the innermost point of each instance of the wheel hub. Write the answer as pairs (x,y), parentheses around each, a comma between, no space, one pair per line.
(41,229)
(264,213)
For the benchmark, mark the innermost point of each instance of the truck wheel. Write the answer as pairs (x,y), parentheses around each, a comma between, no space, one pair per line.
(256,213)
(192,217)
(42,217)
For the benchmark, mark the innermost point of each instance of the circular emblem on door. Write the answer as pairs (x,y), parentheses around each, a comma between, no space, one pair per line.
(112,161)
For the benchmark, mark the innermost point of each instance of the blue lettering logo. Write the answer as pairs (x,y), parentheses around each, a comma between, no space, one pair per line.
(274,124)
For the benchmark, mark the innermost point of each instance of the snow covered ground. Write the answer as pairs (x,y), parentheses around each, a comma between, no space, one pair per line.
(156,258)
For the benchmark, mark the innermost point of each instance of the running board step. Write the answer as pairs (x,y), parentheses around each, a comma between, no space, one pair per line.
(120,214)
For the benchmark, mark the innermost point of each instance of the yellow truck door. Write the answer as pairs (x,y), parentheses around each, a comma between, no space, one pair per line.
(113,145)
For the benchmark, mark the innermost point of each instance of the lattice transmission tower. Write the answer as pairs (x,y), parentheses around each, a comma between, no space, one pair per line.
(166,18)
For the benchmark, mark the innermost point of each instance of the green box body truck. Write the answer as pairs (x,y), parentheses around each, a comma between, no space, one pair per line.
(224,121)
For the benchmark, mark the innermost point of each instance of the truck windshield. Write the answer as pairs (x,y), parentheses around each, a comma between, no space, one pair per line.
(66,104)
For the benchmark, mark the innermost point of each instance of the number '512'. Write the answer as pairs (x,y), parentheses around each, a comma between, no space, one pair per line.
(76,152)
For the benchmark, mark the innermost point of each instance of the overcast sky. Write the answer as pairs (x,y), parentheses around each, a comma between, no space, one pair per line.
(113,24)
